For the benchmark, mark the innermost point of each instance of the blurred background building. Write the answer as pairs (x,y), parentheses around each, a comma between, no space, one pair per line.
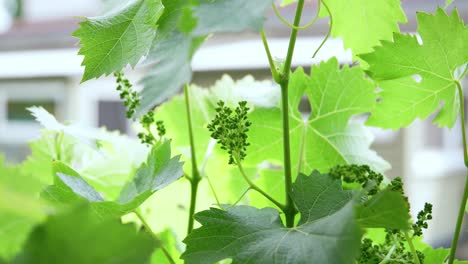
(39,65)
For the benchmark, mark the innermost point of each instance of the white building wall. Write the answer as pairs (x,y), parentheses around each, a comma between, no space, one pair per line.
(54,9)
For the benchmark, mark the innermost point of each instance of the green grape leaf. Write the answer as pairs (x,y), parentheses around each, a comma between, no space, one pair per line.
(326,138)
(159,171)
(448,2)
(171,245)
(417,78)
(172,70)
(387,209)
(112,41)
(170,56)
(177,40)
(229,16)
(435,256)
(287,2)
(377,20)
(80,237)
(318,195)
(20,208)
(438,256)
(250,235)
(272,182)
(50,123)
(174,115)
(212,163)
(105,159)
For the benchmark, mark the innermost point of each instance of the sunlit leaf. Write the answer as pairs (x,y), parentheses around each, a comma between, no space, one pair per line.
(417,77)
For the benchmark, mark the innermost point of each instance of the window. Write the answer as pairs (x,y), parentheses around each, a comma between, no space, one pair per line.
(112,115)
(17,110)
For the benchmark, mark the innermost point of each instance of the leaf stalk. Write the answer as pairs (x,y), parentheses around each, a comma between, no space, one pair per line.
(274,71)
(253,186)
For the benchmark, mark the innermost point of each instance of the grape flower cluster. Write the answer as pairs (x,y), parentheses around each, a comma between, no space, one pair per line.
(132,102)
(229,127)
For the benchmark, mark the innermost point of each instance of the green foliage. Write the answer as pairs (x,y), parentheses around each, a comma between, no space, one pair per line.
(171,244)
(415,77)
(387,209)
(112,41)
(335,95)
(169,31)
(377,21)
(20,208)
(448,2)
(105,159)
(348,212)
(81,237)
(250,235)
(229,16)
(159,171)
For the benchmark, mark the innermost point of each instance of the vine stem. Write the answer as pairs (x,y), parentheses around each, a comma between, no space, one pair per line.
(461,211)
(412,248)
(253,186)
(290,210)
(149,230)
(196,178)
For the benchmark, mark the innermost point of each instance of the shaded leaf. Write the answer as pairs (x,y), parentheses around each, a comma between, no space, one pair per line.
(159,171)
(387,209)
(318,195)
(170,55)
(81,237)
(327,234)
(229,16)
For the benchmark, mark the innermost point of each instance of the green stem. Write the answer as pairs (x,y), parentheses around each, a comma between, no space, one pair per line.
(461,212)
(58,145)
(290,210)
(388,257)
(240,198)
(149,230)
(274,71)
(213,191)
(253,186)
(462,117)
(329,29)
(412,248)
(196,178)
(286,22)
